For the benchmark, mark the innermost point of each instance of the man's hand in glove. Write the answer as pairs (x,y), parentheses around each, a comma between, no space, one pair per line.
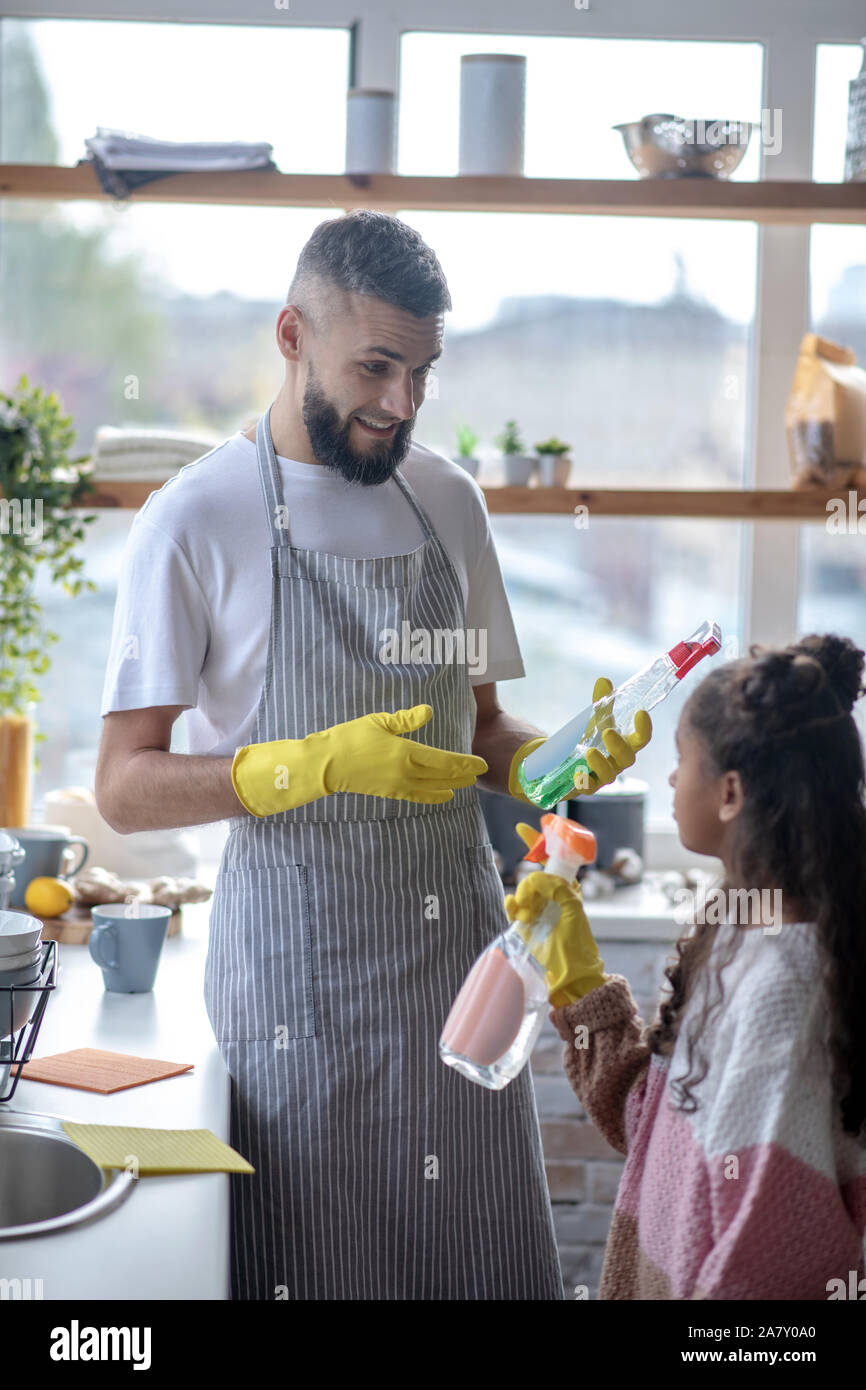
(569,955)
(620,752)
(367,755)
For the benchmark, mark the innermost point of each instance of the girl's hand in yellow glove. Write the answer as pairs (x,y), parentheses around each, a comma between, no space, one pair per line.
(620,752)
(569,955)
(366,755)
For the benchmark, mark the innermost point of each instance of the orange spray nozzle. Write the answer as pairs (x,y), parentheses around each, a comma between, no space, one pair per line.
(575,836)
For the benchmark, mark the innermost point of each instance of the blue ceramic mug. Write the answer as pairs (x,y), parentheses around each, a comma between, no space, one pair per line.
(46,848)
(126,941)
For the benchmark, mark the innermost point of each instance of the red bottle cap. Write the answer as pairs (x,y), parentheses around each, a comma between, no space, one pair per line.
(705,642)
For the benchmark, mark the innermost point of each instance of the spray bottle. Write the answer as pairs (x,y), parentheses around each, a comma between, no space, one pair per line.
(547,776)
(497,1016)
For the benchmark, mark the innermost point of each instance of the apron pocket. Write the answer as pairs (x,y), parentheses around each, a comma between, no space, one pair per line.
(488,895)
(258,975)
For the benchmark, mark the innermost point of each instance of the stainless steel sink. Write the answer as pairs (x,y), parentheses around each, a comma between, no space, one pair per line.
(47,1183)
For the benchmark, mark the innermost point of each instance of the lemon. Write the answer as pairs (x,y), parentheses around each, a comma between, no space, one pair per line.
(48,897)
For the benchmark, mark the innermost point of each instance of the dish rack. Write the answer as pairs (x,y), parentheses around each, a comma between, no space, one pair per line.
(16,1048)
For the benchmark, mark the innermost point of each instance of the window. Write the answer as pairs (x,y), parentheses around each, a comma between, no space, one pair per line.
(833,587)
(837,267)
(180,300)
(607,600)
(832,592)
(835,65)
(69,713)
(63,78)
(626,337)
(576,90)
(113,304)
(601,331)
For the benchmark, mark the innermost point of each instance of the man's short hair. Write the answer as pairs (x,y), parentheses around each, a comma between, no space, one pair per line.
(372,253)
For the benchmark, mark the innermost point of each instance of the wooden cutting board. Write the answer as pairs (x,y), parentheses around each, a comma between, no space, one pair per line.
(76,924)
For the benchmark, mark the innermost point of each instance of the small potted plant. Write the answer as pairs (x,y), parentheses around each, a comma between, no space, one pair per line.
(553,464)
(467,440)
(519,466)
(41,488)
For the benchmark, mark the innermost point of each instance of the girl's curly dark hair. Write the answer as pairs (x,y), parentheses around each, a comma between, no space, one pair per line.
(782,719)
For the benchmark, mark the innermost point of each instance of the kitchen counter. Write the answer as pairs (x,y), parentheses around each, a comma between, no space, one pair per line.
(637,911)
(170,1238)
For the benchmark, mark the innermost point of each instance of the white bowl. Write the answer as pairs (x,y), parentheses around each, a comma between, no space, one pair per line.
(18,932)
(10,965)
(16,1009)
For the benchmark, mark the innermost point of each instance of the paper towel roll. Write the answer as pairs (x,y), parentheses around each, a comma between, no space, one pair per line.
(370,131)
(492,113)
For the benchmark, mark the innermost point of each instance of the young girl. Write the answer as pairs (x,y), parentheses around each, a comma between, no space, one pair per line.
(741,1109)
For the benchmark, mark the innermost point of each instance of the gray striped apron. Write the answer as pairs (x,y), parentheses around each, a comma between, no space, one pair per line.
(340,933)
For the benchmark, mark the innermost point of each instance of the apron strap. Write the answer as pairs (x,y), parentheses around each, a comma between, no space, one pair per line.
(269,475)
(403,485)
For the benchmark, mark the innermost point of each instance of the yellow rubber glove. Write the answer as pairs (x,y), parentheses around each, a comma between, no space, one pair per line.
(569,955)
(621,752)
(366,755)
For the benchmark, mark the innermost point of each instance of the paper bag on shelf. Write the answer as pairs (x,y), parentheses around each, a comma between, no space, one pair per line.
(825,418)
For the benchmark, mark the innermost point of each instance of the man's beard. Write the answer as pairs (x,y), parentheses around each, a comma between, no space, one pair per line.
(329,440)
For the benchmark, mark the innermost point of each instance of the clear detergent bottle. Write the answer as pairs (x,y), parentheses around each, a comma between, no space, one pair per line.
(497,1016)
(548,775)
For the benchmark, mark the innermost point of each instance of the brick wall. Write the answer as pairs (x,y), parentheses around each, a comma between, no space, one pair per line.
(583,1171)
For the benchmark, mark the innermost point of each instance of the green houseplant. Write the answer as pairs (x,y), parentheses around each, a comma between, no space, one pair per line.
(38,482)
(518,465)
(467,441)
(554,466)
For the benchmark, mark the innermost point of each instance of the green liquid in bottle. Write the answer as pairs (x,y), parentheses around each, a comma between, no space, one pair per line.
(558,785)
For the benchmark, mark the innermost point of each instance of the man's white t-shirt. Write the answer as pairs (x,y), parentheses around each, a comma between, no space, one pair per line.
(193,612)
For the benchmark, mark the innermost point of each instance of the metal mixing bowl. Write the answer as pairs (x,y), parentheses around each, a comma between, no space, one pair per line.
(662,146)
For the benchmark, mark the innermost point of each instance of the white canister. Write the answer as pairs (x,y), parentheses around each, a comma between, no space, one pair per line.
(492,113)
(370,131)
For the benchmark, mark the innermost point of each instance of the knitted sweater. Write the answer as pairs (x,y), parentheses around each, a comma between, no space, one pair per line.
(758,1193)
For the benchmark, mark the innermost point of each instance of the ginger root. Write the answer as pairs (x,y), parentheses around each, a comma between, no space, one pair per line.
(95,885)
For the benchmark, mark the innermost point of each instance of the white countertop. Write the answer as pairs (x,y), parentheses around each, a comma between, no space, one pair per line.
(169,1238)
(635,912)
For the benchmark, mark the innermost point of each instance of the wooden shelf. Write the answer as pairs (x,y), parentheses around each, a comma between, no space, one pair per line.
(771,201)
(723,504)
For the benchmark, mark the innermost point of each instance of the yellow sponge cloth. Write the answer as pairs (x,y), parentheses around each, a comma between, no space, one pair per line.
(156,1151)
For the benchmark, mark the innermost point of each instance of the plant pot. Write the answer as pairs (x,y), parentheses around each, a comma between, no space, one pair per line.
(16,768)
(553,470)
(519,468)
(469,463)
